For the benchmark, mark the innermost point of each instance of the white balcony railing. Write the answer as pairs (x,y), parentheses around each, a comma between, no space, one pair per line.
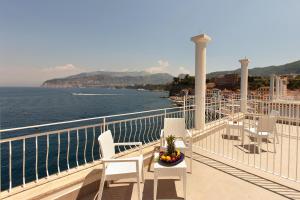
(37,152)
(280,159)
(29,154)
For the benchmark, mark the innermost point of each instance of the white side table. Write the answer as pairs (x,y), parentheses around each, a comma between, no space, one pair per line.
(181,145)
(162,171)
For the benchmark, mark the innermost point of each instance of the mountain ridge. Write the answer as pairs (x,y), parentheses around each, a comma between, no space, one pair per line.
(134,78)
(288,68)
(109,79)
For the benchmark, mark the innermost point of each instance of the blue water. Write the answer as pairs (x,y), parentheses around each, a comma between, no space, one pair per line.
(31,106)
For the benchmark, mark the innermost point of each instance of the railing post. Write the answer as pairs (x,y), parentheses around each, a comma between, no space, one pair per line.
(104,124)
(10,175)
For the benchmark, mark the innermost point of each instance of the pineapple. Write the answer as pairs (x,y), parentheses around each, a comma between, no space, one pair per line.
(170,144)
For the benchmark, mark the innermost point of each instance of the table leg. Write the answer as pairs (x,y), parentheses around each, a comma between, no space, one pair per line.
(155,186)
(184,183)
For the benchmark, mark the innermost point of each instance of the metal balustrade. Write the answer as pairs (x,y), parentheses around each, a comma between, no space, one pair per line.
(283,161)
(29,154)
(33,153)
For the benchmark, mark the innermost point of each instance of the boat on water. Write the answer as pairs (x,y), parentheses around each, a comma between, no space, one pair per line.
(93,94)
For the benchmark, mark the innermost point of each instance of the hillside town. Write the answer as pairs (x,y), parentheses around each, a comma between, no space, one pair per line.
(229,84)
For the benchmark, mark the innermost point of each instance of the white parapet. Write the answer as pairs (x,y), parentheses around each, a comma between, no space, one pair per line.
(244,83)
(200,78)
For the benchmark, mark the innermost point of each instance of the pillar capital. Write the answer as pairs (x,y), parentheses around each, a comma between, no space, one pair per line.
(202,39)
(244,62)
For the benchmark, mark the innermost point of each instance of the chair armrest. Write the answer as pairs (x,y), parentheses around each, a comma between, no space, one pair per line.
(131,143)
(189,133)
(105,160)
(128,143)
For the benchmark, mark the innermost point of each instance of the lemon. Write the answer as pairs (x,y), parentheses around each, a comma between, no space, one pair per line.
(168,158)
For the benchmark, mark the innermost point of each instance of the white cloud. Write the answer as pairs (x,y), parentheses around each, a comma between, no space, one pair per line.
(162,67)
(125,70)
(183,70)
(60,68)
(64,70)
(35,76)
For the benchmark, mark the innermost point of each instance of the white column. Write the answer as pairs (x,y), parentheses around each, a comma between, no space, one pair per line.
(284,89)
(244,84)
(200,79)
(272,86)
(277,87)
(281,87)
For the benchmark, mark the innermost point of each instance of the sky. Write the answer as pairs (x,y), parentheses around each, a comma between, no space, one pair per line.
(40,40)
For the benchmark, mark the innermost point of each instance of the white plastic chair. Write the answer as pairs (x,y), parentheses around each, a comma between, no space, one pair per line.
(117,168)
(235,123)
(265,128)
(184,140)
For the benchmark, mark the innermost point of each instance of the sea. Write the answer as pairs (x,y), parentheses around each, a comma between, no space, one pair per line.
(24,106)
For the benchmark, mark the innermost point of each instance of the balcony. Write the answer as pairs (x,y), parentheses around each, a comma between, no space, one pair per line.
(62,160)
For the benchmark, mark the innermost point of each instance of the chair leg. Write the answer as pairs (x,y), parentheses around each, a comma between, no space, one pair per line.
(108,183)
(101,188)
(139,186)
(274,145)
(277,137)
(143,173)
(191,159)
(259,144)
(155,185)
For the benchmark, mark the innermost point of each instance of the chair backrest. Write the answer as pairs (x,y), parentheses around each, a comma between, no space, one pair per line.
(174,126)
(106,143)
(267,124)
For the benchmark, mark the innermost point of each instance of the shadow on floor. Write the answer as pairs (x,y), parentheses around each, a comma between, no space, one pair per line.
(166,189)
(250,148)
(259,181)
(264,140)
(230,137)
(117,190)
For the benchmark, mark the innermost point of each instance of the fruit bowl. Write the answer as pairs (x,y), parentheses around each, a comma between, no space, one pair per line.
(170,160)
